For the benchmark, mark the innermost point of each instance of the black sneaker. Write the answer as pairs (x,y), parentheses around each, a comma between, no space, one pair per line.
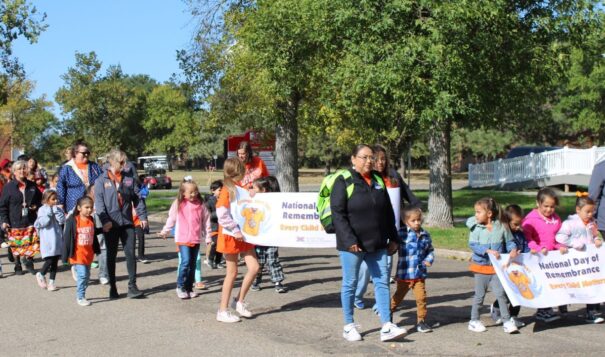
(134,293)
(255,286)
(18,269)
(546,316)
(593,318)
(423,327)
(280,288)
(563,310)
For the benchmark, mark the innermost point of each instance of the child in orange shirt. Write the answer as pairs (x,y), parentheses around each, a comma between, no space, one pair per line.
(233,245)
(81,244)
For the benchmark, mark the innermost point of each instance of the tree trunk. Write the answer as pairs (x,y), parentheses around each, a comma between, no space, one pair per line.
(440,175)
(286,145)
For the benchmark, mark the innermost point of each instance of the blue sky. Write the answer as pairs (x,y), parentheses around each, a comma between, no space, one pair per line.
(141,36)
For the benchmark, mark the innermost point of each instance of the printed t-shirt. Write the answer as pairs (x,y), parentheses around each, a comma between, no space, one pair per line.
(225,243)
(85,233)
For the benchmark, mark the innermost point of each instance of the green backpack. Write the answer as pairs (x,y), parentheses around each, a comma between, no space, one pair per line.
(323,200)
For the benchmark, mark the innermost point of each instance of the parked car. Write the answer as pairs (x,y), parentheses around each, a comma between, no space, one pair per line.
(157,178)
(526,150)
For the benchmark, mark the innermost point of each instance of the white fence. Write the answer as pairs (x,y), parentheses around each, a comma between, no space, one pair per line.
(533,167)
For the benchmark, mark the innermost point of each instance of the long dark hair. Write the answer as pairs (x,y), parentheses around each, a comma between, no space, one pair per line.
(82,201)
(267,184)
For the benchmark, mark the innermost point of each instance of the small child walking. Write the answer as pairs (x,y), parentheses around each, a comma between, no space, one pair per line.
(81,245)
(540,227)
(191,222)
(578,231)
(213,258)
(49,225)
(415,256)
(489,235)
(268,255)
(514,216)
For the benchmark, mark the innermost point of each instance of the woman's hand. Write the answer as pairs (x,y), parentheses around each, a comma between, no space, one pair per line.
(354,248)
(107,227)
(514,253)
(392,247)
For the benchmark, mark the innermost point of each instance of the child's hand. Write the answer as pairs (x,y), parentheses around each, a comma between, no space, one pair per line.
(495,253)
(238,236)
(544,251)
(427,264)
(563,250)
(514,253)
(164,235)
(533,251)
(598,242)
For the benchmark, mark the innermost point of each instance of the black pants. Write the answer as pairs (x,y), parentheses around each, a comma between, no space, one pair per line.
(140,235)
(112,238)
(214,256)
(50,266)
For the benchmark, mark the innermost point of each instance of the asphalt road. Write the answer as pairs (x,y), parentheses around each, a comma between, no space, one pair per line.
(307,321)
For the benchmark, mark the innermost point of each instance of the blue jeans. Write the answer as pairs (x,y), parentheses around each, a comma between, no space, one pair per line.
(187,266)
(378,268)
(198,268)
(363,279)
(82,275)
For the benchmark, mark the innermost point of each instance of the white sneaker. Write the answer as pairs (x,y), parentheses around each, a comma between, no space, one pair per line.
(241,308)
(226,316)
(103,281)
(182,294)
(476,326)
(350,333)
(51,286)
(509,326)
(73,273)
(83,302)
(390,331)
(207,262)
(518,322)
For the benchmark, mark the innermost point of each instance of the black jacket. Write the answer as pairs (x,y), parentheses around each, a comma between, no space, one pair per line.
(69,239)
(210,202)
(11,204)
(366,218)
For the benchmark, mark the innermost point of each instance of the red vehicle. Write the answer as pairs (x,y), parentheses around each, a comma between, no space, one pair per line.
(157,178)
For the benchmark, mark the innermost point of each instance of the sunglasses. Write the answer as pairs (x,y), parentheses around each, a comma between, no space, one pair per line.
(85,153)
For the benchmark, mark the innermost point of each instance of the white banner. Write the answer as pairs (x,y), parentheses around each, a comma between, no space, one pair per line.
(541,281)
(283,219)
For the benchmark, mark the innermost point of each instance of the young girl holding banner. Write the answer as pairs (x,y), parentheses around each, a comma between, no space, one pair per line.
(577,232)
(233,245)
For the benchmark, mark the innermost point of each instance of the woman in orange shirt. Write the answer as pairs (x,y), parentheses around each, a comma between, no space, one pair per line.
(254,166)
(81,245)
(233,245)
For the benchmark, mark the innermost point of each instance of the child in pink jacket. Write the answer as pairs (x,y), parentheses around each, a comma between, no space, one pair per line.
(578,231)
(540,227)
(191,221)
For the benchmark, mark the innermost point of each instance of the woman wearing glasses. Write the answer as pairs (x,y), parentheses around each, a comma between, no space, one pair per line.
(365,232)
(116,193)
(75,176)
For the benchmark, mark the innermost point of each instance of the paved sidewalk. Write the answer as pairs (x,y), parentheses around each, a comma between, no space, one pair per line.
(307,321)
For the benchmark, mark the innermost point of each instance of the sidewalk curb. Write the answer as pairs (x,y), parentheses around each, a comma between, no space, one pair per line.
(453,254)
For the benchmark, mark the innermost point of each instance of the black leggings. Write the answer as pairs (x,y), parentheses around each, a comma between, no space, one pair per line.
(214,256)
(50,266)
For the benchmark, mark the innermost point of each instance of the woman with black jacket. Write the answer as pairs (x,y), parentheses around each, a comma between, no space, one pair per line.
(365,232)
(19,205)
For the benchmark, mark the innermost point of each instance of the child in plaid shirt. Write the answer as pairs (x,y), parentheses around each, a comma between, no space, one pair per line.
(415,256)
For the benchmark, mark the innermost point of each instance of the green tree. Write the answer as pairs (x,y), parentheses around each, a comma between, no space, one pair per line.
(107,110)
(18,19)
(26,119)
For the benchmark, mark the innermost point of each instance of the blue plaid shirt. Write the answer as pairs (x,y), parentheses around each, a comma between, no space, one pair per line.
(415,249)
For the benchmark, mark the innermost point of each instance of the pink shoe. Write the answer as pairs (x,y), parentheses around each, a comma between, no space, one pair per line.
(41,280)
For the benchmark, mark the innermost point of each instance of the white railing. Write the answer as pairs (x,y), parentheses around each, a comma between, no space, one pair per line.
(533,167)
